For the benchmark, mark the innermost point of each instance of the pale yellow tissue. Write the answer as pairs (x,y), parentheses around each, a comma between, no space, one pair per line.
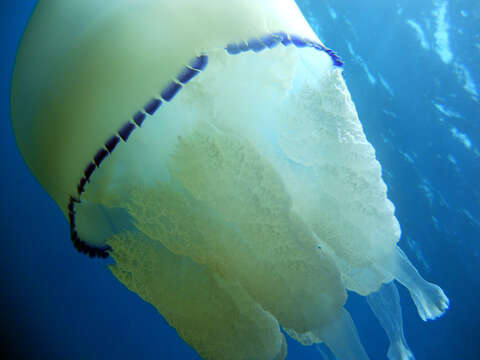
(239,223)
(214,316)
(340,193)
(224,171)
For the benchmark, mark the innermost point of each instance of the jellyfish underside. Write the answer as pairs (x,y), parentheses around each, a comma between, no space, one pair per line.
(248,203)
(234,201)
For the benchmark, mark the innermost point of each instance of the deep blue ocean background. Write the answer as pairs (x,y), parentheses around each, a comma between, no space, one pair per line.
(413,69)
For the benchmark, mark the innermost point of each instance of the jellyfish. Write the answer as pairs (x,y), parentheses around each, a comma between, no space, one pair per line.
(215,154)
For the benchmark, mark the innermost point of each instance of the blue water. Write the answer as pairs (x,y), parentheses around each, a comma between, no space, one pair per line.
(413,69)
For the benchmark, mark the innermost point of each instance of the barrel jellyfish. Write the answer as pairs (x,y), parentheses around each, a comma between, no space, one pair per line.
(213,151)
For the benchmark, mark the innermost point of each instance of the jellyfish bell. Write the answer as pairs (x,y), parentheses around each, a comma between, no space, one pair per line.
(102,62)
(215,153)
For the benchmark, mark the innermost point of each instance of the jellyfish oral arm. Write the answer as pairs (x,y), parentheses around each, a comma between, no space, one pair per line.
(341,337)
(385,304)
(430,300)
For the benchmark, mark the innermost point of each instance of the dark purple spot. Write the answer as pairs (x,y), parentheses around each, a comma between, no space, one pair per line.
(333,55)
(170,91)
(199,62)
(74,200)
(126,130)
(255,45)
(270,41)
(112,143)
(298,41)
(283,37)
(89,170)
(138,118)
(74,236)
(152,106)
(83,248)
(337,62)
(81,186)
(100,156)
(186,75)
(233,49)
(71,218)
(243,46)
(71,206)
